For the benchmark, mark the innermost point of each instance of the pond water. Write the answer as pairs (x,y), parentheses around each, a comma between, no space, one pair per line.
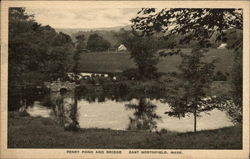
(133,114)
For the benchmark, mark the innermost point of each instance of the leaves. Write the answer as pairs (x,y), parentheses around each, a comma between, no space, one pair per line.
(36,52)
(97,43)
(143,52)
(200,23)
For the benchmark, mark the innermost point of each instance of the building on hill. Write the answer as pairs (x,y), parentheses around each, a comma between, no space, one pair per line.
(85,50)
(121,48)
(222,46)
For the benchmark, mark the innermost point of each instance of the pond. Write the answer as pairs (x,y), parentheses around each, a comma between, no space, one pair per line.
(128,114)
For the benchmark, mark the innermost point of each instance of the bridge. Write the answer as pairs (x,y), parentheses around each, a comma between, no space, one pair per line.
(56,86)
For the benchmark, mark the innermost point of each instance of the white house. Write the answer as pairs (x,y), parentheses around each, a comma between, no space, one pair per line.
(122,48)
(222,46)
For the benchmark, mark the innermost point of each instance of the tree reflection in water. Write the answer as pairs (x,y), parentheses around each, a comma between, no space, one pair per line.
(66,110)
(145,117)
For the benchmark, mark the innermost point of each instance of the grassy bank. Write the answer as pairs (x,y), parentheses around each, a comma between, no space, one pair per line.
(117,62)
(30,132)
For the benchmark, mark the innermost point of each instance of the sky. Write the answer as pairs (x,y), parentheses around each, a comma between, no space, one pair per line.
(83,17)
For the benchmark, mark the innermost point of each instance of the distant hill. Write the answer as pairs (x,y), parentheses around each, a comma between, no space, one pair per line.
(107,33)
(74,30)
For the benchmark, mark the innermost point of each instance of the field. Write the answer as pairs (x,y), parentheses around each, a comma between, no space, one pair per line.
(30,132)
(117,62)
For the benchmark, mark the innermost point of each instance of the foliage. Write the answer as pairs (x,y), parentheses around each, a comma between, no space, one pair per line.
(194,79)
(108,35)
(234,111)
(24,113)
(234,39)
(199,25)
(143,52)
(36,49)
(80,42)
(97,43)
(36,53)
(131,74)
(237,78)
(219,76)
(80,46)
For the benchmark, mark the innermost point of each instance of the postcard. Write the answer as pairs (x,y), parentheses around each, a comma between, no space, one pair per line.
(125,79)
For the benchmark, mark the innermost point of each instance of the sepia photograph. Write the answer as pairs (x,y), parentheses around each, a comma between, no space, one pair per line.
(155,80)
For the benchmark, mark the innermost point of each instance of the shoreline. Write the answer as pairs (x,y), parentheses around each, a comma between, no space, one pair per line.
(24,131)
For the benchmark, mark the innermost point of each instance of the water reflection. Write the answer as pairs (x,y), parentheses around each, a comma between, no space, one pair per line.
(65,109)
(114,111)
(144,116)
(37,109)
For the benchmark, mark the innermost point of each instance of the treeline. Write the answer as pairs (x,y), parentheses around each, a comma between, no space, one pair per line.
(111,39)
(104,40)
(36,54)
(95,43)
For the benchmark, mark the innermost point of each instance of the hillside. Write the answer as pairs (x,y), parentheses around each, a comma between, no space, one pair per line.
(75,30)
(107,33)
(117,62)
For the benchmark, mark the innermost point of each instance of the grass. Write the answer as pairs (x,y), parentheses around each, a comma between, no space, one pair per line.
(36,132)
(117,62)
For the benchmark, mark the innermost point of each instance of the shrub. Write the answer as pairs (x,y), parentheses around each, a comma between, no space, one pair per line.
(234,112)
(24,113)
(47,102)
(219,76)
(123,87)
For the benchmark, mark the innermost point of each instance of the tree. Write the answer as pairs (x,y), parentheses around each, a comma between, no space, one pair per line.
(36,54)
(58,55)
(80,42)
(80,45)
(194,80)
(199,25)
(143,50)
(97,43)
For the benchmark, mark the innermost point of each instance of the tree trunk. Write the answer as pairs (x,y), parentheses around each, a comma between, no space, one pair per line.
(75,106)
(195,121)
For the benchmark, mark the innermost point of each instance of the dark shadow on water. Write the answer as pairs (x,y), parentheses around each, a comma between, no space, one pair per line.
(144,116)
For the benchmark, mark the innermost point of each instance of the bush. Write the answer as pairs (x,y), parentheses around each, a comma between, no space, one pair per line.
(123,87)
(131,74)
(97,43)
(108,86)
(219,76)
(48,102)
(24,113)
(234,112)
(151,87)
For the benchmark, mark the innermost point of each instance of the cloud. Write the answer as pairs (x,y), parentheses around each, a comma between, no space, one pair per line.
(83,17)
